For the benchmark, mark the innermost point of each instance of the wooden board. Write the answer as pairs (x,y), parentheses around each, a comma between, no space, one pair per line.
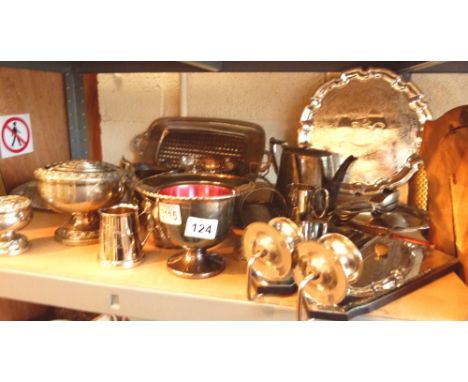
(445,154)
(42,95)
(455,147)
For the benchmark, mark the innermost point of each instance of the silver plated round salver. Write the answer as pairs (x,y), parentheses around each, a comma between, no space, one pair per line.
(374,115)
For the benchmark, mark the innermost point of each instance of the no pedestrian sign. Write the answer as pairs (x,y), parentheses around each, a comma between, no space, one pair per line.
(15,135)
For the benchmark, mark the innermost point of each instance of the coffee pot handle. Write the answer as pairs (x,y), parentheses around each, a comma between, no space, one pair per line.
(273,145)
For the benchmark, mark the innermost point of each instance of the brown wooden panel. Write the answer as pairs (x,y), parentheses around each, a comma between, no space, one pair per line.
(445,154)
(42,95)
(455,147)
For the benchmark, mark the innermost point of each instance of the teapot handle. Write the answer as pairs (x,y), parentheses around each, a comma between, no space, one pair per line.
(273,144)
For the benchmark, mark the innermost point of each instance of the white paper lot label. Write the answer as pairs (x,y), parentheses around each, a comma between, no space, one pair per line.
(170,214)
(201,228)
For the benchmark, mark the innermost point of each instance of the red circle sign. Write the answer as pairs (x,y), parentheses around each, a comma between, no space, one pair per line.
(15,134)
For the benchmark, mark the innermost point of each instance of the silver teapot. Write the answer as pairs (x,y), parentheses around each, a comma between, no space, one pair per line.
(304,169)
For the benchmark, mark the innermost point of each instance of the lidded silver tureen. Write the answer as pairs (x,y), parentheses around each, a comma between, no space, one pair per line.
(80,187)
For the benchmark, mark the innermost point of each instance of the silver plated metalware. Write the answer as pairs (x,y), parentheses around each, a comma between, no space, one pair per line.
(319,275)
(378,204)
(266,247)
(120,243)
(29,189)
(375,115)
(207,144)
(290,232)
(80,187)
(346,252)
(315,224)
(15,214)
(195,216)
(147,192)
(402,219)
(386,270)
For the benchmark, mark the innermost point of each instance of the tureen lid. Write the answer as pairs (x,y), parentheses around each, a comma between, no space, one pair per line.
(79,170)
(13,203)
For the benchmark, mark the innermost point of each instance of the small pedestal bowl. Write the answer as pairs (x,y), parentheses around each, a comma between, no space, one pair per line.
(196,216)
(80,187)
(15,214)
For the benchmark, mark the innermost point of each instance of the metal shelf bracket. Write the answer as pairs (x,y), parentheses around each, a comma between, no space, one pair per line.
(76,109)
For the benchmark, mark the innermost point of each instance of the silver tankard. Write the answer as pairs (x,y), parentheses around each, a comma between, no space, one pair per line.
(119,236)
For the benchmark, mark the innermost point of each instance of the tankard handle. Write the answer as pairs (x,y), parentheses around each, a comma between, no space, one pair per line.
(150,223)
(273,145)
(266,163)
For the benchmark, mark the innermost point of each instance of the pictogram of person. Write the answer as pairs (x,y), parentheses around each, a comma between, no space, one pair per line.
(14,131)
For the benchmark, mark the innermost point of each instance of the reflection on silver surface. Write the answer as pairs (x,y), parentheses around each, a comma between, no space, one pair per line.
(372,114)
(347,253)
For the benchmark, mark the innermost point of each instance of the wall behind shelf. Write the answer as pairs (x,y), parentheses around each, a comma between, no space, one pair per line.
(130,102)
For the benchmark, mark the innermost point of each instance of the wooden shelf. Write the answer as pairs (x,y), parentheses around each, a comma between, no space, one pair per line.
(53,274)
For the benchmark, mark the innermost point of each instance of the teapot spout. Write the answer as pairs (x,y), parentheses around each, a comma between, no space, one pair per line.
(340,174)
(334,185)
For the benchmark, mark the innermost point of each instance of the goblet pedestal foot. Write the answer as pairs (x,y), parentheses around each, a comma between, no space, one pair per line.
(196,264)
(82,229)
(13,244)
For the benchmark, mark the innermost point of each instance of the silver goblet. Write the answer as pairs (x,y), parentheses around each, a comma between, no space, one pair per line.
(195,216)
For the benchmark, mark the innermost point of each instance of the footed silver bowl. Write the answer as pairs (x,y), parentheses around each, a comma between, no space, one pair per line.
(195,216)
(80,187)
(15,214)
